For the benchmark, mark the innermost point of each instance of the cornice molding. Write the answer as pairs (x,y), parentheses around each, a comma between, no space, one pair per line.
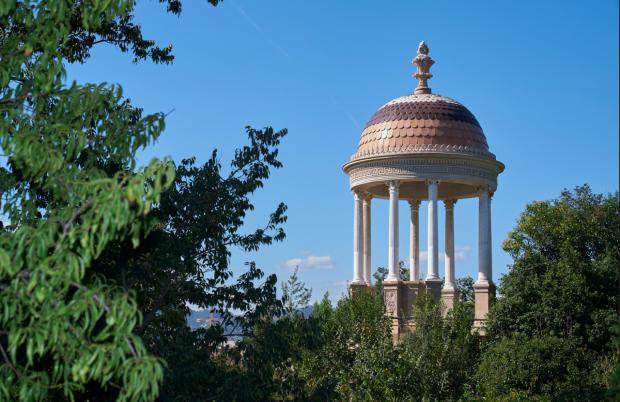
(424,148)
(481,172)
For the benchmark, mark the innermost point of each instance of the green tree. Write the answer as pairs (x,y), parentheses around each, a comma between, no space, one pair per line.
(542,368)
(381,273)
(438,359)
(64,334)
(358,361)
(295,294)
(465,287)
(614,378)
(564,276)
(354,324)
(268,360)
(190,228)
(185,259)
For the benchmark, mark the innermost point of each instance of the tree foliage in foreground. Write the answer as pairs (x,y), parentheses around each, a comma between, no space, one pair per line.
(564,277)
(91,134)
(357,359)
(186,259)
(60,334)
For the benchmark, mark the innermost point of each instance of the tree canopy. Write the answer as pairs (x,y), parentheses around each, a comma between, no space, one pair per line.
(61,333)
(564,277)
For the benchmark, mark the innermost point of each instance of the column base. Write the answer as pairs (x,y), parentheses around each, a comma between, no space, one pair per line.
(412,290)
(484,294)
(398,298)
(449,296)
(433,288)
(358,288)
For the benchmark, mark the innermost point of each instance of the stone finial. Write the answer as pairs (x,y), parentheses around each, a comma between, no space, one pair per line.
(423,62)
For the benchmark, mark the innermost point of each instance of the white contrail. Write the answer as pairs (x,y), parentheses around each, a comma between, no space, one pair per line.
(279,48)
(260,30)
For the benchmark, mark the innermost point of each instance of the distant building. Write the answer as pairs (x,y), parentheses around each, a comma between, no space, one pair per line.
(206,322)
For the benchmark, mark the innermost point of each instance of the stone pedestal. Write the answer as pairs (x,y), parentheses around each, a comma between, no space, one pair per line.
(433,287)
(358,288)
(399,298)
(448,298)
(393,299)
(484,293)
(413,290)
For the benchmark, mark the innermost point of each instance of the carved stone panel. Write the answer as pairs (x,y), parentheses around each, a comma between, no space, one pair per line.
(390,298)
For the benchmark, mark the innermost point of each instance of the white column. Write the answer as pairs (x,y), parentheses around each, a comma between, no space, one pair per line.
(449,252)
(414,241)
(358,245)
(366,213)
(484,237)
(393,274)
(433,239)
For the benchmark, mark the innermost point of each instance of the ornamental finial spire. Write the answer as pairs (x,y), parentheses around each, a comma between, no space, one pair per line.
(423,62)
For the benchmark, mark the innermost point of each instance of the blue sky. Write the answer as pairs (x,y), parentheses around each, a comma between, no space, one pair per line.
(541,77)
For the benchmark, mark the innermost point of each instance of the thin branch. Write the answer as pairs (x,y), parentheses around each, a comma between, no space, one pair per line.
(8,362)
(67,225)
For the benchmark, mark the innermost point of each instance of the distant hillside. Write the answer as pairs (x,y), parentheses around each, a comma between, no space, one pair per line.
(204,318)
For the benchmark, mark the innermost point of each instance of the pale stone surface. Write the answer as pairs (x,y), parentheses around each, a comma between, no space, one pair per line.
(449,245)
(484,293)
(433,287)
(393,274)
(414,241)
(392,298)
(358,244)
(366,224)
(412,290)
(358,288)
(433,236)
(484,237)
(448,298)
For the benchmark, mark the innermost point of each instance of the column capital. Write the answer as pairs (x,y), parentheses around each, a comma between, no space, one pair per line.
(393,185)
(366,196)
(415,204)
(449,204)
(358,194)
(487,189)
(431,181)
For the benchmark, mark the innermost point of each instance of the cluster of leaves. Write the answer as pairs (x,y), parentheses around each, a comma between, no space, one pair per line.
(542,368)
(63,331)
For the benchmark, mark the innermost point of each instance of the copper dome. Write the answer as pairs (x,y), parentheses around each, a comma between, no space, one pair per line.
(421,138)
(423,123)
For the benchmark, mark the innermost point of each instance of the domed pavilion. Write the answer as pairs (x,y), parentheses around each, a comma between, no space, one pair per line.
(422,147)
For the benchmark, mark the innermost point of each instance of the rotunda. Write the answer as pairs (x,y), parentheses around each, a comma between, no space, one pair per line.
(422,147)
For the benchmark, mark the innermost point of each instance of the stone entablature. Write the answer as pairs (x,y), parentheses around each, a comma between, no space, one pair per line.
(478,172)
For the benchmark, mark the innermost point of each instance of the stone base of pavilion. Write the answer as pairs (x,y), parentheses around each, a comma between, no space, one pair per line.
(399,298)
(484,294)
